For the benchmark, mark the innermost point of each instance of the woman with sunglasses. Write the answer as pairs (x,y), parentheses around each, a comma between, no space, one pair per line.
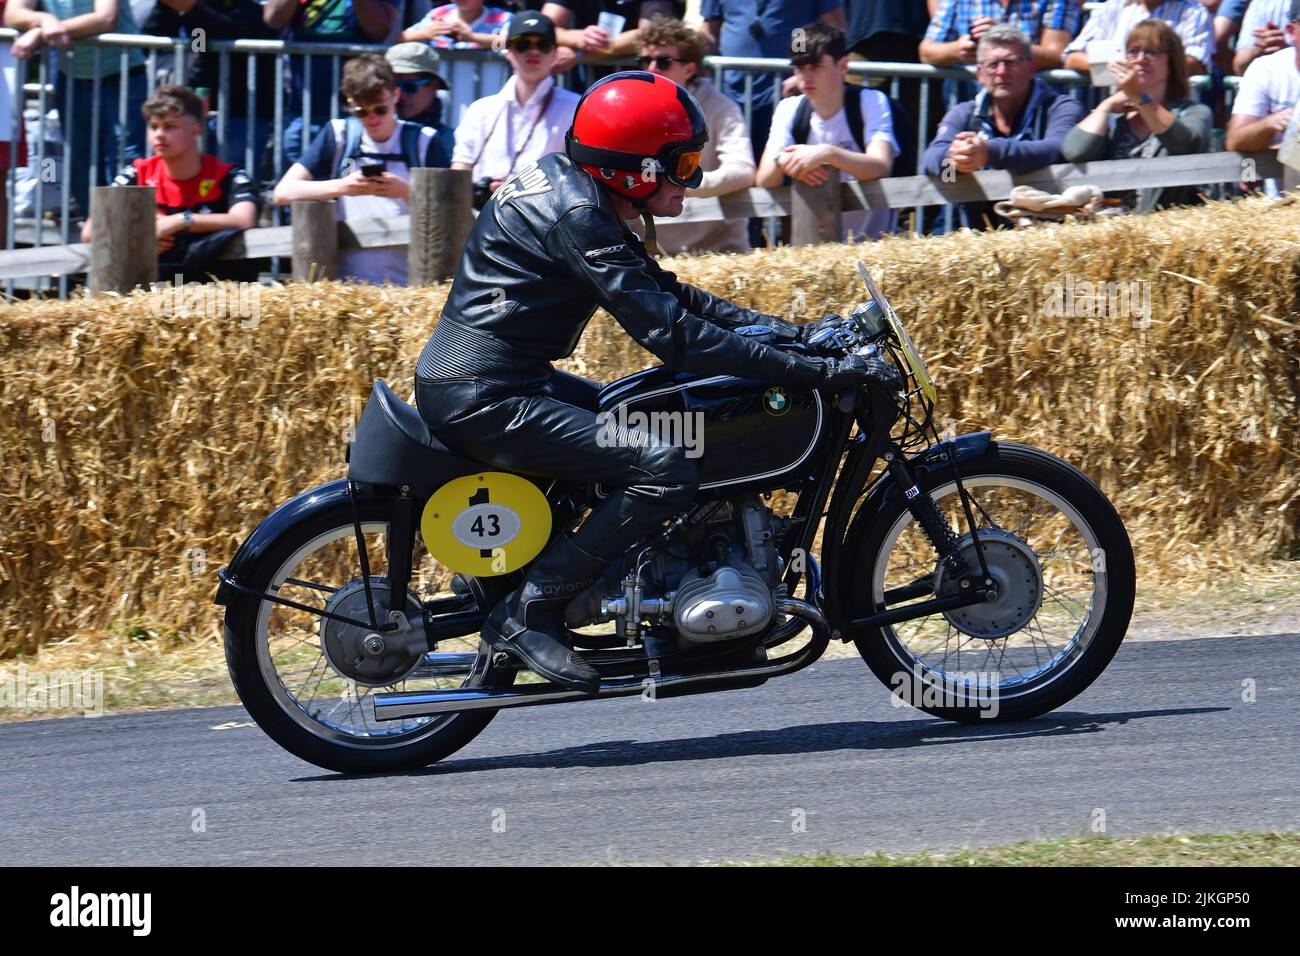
(549,248)
(1149,114)
(503,133)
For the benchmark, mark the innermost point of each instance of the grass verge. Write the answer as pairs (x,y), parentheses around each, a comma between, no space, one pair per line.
(1209,849)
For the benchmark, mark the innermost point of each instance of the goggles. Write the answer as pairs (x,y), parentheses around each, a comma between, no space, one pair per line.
(683,165)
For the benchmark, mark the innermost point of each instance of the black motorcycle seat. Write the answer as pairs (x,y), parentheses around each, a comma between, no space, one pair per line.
(406,417)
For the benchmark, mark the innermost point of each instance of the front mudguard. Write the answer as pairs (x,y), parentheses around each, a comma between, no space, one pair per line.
(250,553)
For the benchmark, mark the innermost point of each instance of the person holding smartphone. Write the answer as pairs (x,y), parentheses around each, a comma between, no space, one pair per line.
(364,162)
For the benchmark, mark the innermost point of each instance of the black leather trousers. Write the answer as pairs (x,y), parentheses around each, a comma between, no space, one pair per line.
(552,430)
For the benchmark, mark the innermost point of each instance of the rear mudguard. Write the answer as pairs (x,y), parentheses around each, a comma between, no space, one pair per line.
(250,553)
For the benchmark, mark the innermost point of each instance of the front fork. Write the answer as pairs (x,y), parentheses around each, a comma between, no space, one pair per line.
(933,522)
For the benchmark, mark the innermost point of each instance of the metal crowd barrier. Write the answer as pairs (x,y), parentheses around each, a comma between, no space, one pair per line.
(168,59)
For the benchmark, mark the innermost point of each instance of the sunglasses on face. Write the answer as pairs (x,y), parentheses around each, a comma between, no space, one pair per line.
(411,87)
(361,112)
(660,62)
(523,45)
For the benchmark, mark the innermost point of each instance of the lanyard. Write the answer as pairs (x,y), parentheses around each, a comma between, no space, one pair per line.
(546,104)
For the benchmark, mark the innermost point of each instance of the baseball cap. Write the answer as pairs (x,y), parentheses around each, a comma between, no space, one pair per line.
(414,57)
(530,22)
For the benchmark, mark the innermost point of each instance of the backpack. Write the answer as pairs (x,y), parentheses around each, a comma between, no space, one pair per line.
(904,162)
(352,131)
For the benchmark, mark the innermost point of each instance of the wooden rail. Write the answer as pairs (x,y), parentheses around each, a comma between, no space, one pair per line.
(124,253)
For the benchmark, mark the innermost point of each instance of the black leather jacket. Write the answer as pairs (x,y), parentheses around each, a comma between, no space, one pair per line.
(545,252)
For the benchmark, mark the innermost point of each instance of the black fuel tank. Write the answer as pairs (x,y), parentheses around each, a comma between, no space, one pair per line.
(745,433)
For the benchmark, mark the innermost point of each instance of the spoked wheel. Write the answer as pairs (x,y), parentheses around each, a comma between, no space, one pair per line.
(309,681)
(1063,568)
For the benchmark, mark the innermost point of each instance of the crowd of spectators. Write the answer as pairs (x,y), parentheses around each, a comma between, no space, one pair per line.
(495,115)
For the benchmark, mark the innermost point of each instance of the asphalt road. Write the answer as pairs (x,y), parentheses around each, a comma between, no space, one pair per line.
(1163,742)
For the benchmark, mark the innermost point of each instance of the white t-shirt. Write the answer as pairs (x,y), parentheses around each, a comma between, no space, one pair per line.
(877,125)
(1271,83)
(500,137)
(386,263)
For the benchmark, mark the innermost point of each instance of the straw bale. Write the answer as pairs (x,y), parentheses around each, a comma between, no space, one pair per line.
(142,443)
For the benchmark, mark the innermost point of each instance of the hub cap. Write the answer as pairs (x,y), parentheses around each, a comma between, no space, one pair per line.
(1015,573)
(361,654)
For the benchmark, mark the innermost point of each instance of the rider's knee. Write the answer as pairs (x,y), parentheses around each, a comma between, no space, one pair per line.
(678,475)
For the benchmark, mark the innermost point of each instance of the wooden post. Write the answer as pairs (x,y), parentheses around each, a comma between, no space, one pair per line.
(442,212)
(1290,178)
(315,239)
(124,243)
(815,214)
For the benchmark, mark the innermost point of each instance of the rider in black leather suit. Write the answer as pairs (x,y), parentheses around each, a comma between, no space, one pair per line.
(546,251)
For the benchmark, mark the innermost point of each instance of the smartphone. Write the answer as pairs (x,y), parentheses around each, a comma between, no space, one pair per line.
(373,169)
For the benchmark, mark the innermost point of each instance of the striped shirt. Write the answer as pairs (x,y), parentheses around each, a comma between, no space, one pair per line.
(953,18)
(492,19)
(1118,17)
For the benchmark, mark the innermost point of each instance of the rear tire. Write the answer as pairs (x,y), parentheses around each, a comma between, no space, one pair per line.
(1004,469)
(271,703)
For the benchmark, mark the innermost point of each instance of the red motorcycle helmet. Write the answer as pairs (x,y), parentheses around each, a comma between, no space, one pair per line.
(632,130)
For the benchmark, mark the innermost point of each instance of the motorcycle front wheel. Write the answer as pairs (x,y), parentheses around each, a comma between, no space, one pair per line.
(1064,571)
(293,669)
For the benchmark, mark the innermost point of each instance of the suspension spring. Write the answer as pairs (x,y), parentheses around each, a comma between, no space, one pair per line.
(931,519)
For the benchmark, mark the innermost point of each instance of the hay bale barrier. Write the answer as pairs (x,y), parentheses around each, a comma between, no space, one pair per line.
(144,436)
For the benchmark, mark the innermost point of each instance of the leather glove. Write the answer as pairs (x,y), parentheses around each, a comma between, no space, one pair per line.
(853,370)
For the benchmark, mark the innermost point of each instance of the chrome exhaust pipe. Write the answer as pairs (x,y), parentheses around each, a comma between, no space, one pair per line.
(408,704)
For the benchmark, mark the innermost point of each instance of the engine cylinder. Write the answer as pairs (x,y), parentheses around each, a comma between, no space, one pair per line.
(731,602)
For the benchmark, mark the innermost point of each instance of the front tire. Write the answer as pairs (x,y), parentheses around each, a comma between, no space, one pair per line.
(275,653)
(1066,590)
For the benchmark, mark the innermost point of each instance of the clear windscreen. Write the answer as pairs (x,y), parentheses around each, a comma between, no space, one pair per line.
(915,365)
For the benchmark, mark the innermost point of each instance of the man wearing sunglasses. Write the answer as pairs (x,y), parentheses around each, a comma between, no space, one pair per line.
(503,133)
(549,248)
(672,49)
(415,68)
(364,163)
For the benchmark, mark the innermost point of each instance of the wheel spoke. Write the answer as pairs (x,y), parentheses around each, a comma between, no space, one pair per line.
(1057,539)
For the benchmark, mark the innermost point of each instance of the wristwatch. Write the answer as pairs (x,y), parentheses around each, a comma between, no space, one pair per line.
(187,217)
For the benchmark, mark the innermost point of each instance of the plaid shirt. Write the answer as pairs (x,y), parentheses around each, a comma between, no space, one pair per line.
(1118,17)
(953,18)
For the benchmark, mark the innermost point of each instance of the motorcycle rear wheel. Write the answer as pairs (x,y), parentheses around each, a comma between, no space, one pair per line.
(278,662)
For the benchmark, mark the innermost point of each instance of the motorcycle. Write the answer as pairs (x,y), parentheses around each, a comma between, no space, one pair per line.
(352,612)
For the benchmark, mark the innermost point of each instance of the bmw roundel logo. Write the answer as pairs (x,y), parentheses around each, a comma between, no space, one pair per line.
(775,401)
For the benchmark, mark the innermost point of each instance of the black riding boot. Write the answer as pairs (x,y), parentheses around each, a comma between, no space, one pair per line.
(529,623)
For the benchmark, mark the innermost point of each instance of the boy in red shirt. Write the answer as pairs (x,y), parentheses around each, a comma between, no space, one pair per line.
(202,202)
